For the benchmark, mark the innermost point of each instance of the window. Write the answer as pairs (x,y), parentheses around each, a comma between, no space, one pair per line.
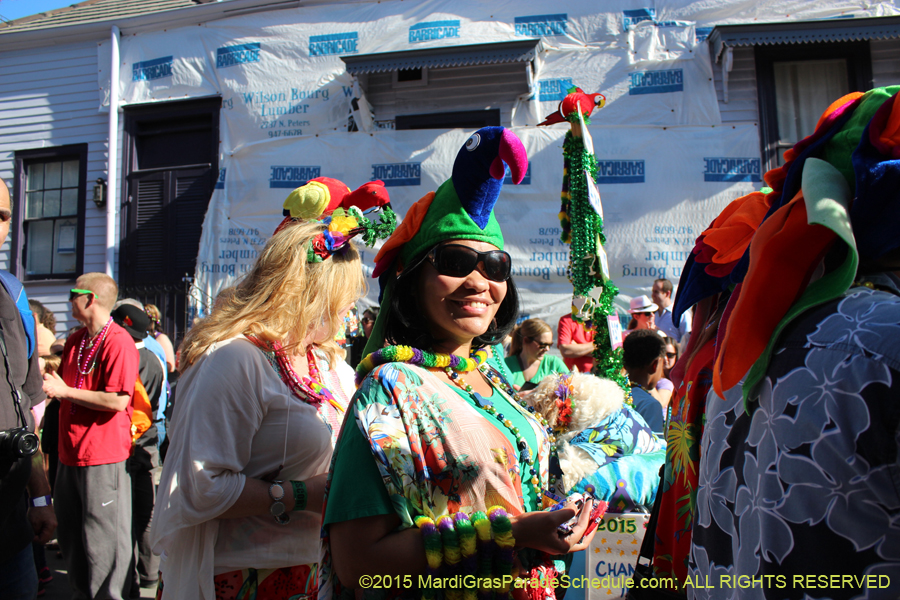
(797,82)
(470,119)
(49,212)
(445,87)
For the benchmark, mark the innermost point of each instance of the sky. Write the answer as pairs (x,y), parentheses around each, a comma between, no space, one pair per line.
(15,9)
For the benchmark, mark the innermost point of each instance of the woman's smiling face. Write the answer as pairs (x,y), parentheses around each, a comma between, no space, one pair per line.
(459,309)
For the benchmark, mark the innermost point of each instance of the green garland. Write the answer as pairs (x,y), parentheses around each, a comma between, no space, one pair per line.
(373,231)
(583,230)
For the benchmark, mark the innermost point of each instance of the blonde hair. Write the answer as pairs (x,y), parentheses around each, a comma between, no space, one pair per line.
(283,298)
(51,363)
(529,328)
(103,286)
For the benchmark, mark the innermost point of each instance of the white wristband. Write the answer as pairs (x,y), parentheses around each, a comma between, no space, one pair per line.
(41,501)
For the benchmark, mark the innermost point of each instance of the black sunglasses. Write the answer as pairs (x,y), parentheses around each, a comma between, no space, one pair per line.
(541,345)
(671,354)
(455,260)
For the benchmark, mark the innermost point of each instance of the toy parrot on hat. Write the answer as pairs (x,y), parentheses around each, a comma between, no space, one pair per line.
(323,196)
(461,208)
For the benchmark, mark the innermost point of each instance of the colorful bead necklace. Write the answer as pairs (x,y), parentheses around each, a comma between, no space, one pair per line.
(86,366)
(527,456)
(453,365)
(421,358)
(309,390)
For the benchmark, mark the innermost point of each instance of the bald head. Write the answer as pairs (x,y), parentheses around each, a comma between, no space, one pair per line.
(5,212)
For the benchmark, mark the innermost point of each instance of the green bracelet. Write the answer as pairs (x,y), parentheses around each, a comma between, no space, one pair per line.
(299,495)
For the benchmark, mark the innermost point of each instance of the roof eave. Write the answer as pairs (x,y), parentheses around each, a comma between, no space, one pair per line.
(793,32)
(180,17)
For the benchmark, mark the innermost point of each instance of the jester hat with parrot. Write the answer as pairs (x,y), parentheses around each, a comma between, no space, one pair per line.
(462,208)
(837,194)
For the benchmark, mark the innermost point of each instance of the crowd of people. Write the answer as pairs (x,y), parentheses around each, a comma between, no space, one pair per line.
(296,468)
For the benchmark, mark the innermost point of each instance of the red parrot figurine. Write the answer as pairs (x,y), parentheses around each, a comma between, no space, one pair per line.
(366,196)
(576,98)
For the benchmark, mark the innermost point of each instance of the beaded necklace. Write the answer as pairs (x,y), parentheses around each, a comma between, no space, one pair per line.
(526,455)
(86,366)
(309,390)
(421,358)
(453,365)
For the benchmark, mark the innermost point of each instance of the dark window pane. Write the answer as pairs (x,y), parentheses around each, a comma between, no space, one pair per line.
(33,204)
(51,203)
(35,177)
(39,237)
(65,256)
(409,75)
(69,202)
(70,174)
(52,175)
(803,90)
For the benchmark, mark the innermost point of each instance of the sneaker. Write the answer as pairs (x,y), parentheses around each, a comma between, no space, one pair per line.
(42,588)
(45,576)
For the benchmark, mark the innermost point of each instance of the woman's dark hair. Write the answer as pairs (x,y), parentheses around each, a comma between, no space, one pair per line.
(406,325)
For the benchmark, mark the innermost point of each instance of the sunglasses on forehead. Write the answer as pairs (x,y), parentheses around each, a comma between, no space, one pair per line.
(74,293)
(455,260)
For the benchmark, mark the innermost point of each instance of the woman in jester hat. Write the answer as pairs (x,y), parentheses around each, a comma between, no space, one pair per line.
(239,511)
(439,470)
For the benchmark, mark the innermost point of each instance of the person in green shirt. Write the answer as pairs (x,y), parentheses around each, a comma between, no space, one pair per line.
(528,360)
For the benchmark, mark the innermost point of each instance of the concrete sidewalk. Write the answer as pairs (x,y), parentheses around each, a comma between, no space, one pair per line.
(58,589)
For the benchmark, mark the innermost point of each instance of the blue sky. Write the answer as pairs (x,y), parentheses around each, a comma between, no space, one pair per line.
(15,9)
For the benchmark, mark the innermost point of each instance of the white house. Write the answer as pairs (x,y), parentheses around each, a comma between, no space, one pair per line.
(220,108)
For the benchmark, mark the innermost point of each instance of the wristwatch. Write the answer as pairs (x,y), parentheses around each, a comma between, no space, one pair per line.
(40,501)
(277,510)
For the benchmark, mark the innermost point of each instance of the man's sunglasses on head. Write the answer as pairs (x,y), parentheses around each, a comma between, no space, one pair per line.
(455,260)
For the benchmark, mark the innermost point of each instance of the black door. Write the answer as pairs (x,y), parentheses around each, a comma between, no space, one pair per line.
(172,155)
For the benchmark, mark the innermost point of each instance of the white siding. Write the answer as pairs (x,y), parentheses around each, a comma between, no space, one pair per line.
(49,97)
(742,106)
(450,89)
(885,62)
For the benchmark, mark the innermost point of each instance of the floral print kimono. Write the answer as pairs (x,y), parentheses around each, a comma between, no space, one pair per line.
(437,454)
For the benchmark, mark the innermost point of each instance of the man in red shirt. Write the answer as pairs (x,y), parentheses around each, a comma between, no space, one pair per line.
(576,344)
(94,385)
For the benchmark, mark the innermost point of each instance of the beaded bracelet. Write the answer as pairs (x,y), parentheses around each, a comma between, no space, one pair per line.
(434,554)
(300,497)
(486,548)
(468,548)
(501,528)
(452,554)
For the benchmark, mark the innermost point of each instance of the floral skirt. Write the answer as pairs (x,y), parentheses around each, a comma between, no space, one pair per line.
(287,583)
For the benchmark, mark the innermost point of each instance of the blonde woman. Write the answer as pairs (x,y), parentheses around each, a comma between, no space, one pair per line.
(528,360)
(156,331)
(259,404)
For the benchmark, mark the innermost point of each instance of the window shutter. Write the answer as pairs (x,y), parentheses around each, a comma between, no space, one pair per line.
(193,188)
(146,240)
(165,223)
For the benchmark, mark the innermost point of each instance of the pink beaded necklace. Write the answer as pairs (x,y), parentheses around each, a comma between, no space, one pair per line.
(86,366)
(311,390)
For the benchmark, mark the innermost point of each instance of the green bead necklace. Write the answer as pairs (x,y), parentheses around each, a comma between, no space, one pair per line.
(527,456)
